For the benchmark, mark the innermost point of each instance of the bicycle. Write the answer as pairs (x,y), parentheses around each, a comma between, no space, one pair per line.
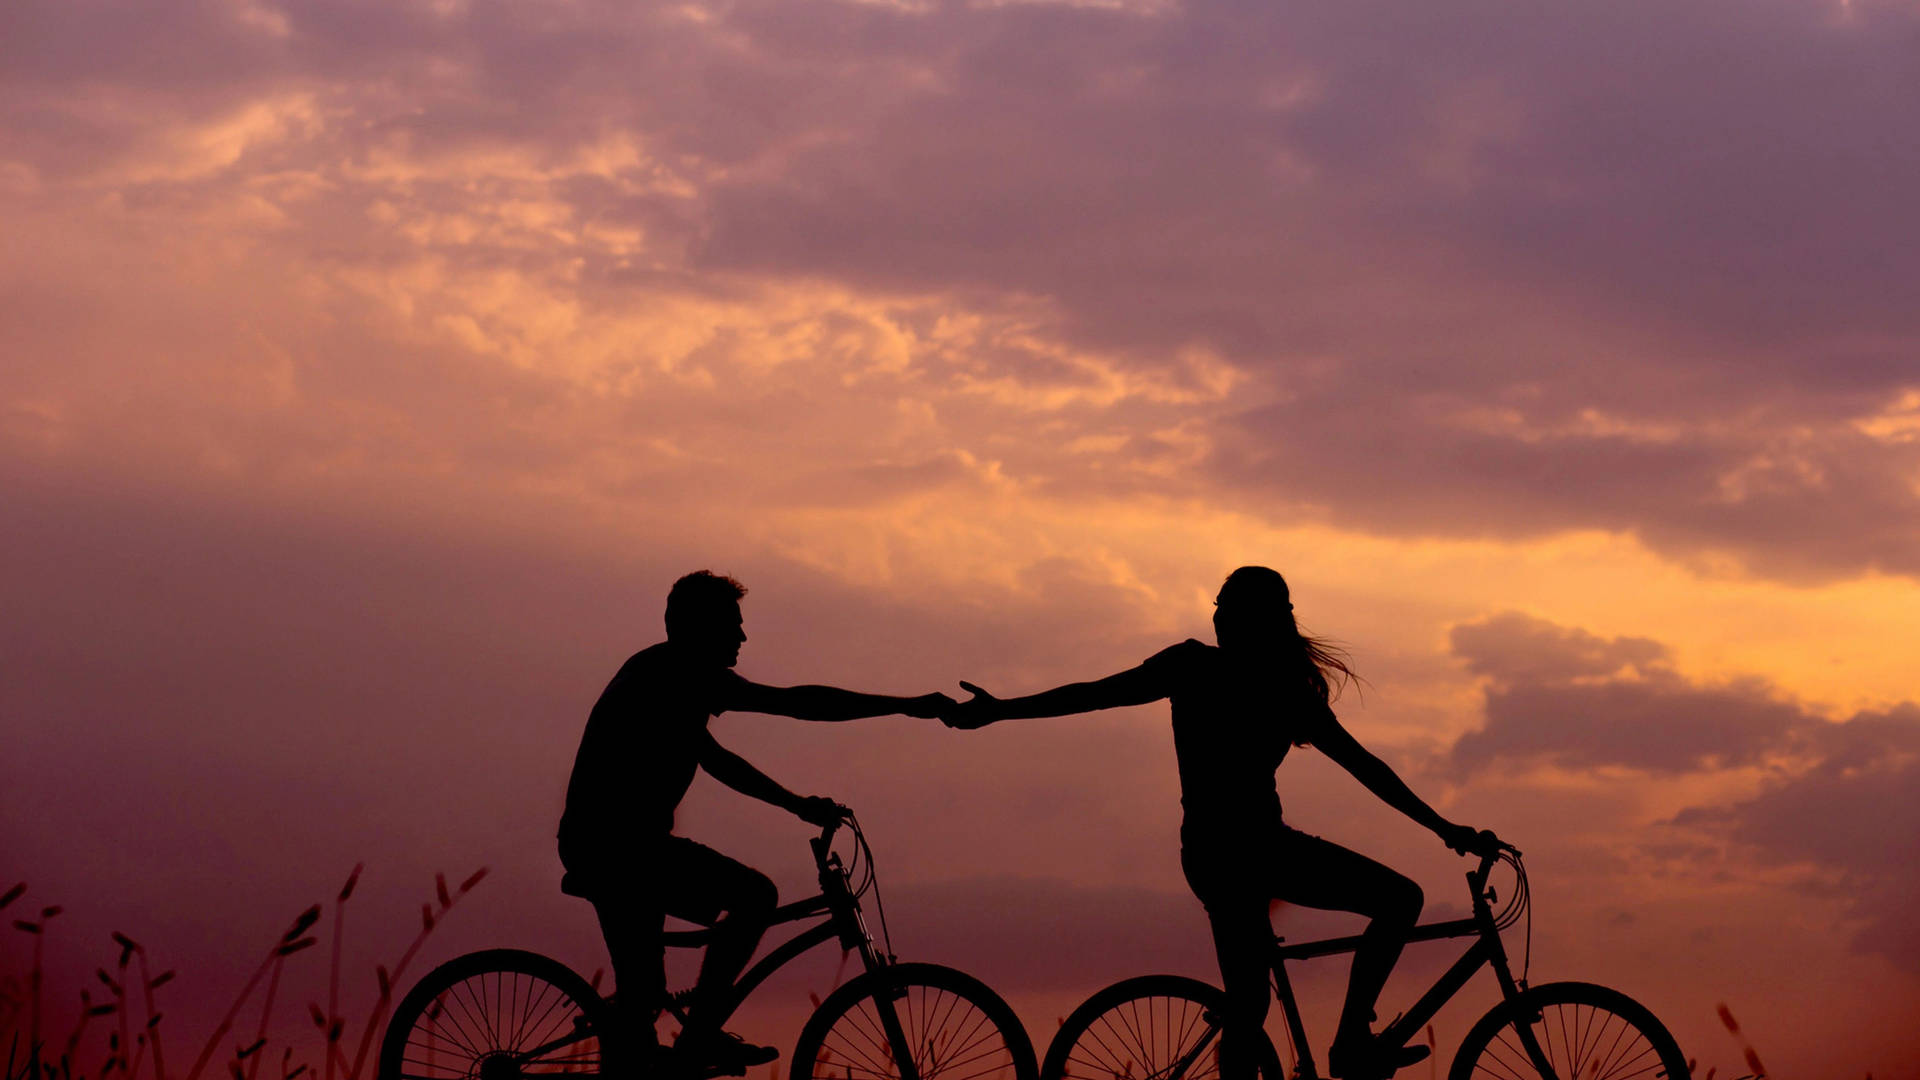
(1161,1027)
(508,1014)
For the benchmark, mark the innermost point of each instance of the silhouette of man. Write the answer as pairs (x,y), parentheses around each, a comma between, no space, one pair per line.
(643,741)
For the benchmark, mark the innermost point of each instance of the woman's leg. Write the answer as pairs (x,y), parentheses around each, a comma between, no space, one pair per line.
(1242,937)
(1318,873)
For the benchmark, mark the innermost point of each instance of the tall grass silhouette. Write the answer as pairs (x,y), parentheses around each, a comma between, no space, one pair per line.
(134,1044)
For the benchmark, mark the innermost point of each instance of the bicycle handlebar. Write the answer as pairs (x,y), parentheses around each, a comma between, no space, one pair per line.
(823,844)
(1488,857)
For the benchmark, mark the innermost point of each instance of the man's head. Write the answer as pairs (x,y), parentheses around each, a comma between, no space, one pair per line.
(703,616)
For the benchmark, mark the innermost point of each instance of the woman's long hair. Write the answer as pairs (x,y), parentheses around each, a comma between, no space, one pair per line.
(1259,592)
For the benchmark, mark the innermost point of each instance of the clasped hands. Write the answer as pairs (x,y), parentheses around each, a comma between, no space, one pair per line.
(977,711)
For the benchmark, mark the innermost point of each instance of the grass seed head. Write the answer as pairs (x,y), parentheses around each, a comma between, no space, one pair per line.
(1726,1017)
(307,918)
(12,894)
(472,880)
(352,880)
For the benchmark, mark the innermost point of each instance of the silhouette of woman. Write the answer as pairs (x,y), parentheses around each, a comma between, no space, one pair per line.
(1237,708)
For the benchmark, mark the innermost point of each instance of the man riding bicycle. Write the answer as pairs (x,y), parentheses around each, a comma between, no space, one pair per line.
(644,739)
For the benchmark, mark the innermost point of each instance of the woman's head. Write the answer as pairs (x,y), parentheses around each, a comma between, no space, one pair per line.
(1253,616)
(1253,608)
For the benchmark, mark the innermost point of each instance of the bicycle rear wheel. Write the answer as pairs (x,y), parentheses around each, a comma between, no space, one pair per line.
(958,1030)
(1580,1030)
(1152,1027)
(500,1014)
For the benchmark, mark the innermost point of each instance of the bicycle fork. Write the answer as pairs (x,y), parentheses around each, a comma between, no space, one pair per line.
(903,1050)
(879,966)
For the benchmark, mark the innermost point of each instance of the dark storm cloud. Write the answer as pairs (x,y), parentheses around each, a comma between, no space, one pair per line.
(1580,701)
(1514,648)
(1783,496)
(1486,272)
(1852,818)
(1676,282)
(1838,800)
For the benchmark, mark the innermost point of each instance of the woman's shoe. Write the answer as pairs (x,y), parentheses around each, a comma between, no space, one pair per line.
(1367,1059)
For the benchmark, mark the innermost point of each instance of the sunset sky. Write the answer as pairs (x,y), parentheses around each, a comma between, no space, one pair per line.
(369,369)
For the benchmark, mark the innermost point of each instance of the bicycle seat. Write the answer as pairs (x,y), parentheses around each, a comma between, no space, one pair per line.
(574,885)
(687,939)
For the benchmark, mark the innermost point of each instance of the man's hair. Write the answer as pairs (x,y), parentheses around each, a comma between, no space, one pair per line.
(701,597)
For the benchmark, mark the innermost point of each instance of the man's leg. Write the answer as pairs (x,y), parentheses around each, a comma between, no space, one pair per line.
(630,920)
(705,884)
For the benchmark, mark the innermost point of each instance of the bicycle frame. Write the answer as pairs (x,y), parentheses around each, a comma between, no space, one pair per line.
(1488,949)
(844,921)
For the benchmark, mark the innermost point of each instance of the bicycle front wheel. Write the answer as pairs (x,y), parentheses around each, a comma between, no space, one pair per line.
(500,1014)
(914,1022)
(1560,1031)
(1153,1027)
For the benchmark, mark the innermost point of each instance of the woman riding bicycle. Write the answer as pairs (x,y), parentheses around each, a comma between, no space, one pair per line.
(1237,708)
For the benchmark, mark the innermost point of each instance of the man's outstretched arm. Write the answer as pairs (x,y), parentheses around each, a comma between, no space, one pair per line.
(737,773)
(830,703)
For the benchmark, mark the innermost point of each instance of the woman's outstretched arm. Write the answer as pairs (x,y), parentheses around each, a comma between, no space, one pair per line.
(1378,777)
(1134,686)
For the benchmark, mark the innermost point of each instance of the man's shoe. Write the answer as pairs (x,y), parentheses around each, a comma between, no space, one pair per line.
(1368,1060)
(725,1054)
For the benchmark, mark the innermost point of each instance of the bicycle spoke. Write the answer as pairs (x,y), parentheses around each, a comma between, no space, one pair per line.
(1519,1054)
(1130,1020)
(982,1031)
(850,1052)
(464,1042)
(1122,1060)
(474,1008)
(541,1023)
(470,1027)
(1606,1058)
(1578,1041)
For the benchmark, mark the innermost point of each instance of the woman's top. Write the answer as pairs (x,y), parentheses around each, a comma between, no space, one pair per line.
(1232,726)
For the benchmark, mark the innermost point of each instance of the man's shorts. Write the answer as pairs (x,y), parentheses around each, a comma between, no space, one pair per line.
(671,875)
